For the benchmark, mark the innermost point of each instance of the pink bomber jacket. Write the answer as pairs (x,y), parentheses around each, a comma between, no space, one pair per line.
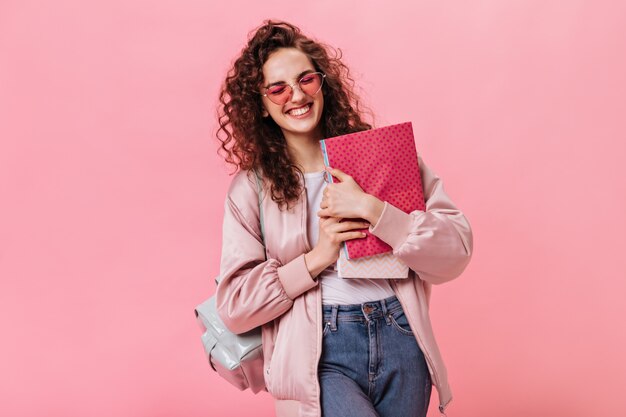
(279,294)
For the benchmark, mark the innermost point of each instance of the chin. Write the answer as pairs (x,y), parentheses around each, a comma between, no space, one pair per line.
(304,127)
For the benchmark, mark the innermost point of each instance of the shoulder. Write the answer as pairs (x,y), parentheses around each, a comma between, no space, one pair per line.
(422,166)
(243,184)
(242,195)
(427,174)
(432,184)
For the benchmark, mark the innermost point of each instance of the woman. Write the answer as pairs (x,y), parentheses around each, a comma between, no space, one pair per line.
(332,347)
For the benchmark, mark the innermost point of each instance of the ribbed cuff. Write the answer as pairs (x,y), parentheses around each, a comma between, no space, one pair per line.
(393,226)
(295,277)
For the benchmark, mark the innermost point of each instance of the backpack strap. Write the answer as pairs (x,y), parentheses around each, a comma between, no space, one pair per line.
(259,189)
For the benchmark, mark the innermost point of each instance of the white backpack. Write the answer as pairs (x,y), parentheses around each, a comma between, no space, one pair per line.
(238,358)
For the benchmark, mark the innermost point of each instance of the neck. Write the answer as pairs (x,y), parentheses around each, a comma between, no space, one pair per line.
(305,151)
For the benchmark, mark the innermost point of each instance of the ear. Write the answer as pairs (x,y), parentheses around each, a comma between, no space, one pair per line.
(264,113)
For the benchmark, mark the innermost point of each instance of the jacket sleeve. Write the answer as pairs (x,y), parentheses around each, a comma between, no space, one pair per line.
(253,290)
(436,243)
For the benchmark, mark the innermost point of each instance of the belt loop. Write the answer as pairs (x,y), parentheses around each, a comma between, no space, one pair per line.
(333,318)
(386,313)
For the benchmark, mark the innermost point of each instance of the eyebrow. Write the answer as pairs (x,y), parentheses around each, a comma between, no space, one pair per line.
(302,74)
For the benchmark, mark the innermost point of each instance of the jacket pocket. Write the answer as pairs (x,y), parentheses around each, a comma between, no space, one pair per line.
(290,376)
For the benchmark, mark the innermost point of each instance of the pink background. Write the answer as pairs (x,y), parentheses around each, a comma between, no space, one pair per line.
(112,194)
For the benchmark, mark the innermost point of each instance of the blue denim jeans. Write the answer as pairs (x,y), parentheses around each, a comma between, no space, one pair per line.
(371,364)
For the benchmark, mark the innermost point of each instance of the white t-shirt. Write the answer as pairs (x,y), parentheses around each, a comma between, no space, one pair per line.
(337,290)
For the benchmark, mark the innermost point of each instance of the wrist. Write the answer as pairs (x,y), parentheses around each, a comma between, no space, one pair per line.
(373,208)
(314,263)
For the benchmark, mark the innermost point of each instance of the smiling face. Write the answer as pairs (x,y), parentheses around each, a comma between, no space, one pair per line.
(300,116)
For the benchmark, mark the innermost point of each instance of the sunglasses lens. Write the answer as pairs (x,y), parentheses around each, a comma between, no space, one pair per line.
(311,83)
(279,94)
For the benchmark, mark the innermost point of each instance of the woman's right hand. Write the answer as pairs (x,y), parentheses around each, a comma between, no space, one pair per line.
(332,233)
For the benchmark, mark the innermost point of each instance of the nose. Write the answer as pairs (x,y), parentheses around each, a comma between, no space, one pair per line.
(296,93)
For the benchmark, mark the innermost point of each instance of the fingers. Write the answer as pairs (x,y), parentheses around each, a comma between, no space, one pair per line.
(340,175)
(349,225)
(335,226)
(342,237)
(330,219)
(337,231)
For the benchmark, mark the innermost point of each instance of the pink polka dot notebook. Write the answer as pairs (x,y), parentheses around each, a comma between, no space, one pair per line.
(383,161)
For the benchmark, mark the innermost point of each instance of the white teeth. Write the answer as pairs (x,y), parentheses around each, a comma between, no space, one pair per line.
(300,111)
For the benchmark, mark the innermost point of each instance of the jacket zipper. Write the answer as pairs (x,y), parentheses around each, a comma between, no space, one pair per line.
(442,407)
(318,294)
(319,345)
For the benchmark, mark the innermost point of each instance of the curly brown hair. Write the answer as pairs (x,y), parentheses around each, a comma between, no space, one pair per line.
(258,142)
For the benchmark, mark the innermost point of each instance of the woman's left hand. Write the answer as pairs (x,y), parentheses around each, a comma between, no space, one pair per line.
(347,199)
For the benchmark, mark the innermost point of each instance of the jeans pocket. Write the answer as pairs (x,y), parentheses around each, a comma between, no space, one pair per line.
(400,323)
